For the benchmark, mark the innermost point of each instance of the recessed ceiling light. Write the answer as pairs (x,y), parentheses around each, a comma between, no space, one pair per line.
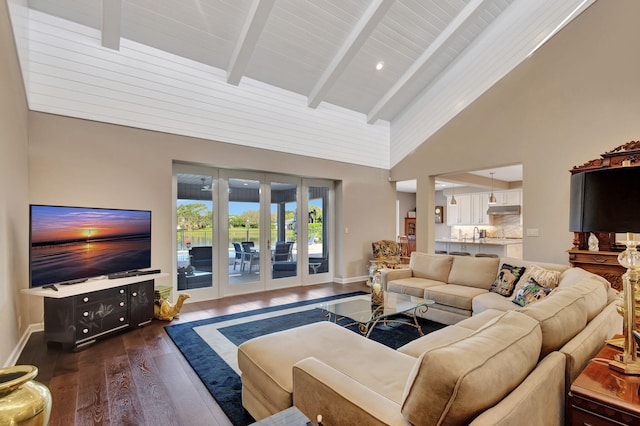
(380,65)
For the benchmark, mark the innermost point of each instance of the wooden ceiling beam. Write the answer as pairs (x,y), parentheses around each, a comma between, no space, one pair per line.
(423,62)
(111,23)
(253,26)
(362,31)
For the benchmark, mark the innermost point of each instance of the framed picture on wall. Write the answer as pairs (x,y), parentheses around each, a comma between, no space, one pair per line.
(439,214)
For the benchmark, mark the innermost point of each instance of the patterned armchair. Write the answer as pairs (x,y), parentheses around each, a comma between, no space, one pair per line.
(386,254)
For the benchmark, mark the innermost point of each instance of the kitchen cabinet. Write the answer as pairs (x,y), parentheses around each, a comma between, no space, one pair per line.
(509,198)
(514,250)
(452,213)
(460,214)
(479,207)
(472,208)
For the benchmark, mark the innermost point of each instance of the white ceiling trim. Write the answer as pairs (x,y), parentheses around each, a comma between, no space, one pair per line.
(253,26)
(474,72)
(111,23)
(72,74)
(366,25)
(424,60)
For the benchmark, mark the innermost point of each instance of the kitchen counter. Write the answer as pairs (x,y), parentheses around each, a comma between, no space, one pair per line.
(482,241)
(503,247)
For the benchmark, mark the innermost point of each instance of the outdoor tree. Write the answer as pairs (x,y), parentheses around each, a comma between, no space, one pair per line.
(194,216)
(315,214)
(251,217)
(236,221)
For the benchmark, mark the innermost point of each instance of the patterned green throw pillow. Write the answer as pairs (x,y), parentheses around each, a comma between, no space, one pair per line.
(530,292)
(506,279)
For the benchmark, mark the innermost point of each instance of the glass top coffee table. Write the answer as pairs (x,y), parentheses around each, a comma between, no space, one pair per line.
(366,315)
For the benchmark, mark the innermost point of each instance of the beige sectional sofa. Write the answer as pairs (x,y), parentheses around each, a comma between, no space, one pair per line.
(494,367)
(458,284)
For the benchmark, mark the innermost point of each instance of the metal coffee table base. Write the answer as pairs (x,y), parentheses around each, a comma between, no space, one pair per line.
(378,317)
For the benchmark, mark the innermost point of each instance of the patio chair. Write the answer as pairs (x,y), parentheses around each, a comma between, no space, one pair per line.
(238,257)
(249,256)
(282,251)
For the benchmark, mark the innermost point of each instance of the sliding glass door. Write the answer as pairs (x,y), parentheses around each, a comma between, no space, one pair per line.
(319,226)
(241,232)
(284,192)
(195,235)
(247,248)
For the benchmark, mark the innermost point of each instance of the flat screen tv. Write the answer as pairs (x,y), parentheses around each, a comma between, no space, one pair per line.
(72,244)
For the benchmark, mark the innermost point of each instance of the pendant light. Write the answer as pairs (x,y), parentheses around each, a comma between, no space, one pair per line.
(492,198)
(453,200)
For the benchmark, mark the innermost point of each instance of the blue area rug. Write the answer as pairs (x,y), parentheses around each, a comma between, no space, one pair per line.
(220,378)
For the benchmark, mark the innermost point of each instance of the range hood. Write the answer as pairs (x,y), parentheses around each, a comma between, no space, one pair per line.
(503,210)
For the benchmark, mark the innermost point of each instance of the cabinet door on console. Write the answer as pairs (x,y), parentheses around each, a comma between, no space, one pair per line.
(100,311)
(141,302)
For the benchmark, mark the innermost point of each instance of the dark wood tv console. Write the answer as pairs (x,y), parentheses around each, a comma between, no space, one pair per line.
(76,315)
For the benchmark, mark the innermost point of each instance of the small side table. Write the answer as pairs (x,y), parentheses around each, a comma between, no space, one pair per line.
(602,396)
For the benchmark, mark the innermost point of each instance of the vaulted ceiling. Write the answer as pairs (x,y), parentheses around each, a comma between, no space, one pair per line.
(327,50)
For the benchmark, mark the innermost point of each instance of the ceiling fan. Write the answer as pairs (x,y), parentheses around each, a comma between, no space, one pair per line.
(206,187)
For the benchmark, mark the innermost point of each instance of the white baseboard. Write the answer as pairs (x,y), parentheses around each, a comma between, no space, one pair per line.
(15,354)
(350,280)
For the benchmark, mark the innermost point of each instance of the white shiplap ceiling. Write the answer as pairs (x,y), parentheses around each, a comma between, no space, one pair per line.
(325,51)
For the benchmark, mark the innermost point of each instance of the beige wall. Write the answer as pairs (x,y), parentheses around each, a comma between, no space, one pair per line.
(14,201)
(577,97)
(85,163)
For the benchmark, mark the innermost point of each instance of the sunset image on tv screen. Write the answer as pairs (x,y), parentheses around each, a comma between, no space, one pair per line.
(72,243)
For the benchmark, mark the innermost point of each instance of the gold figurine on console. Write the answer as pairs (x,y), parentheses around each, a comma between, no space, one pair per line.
(163,310)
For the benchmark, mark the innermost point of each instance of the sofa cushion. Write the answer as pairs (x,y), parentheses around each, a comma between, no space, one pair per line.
(489,300)
(449,334)
(545,277)
(470,271)
(574,275)
(528,263)
(435,339)
(457,296)
(412,286)
(561,317)
(432,266)
(266,361)
(452,384)
(594,293)
(530,292)
(507,279)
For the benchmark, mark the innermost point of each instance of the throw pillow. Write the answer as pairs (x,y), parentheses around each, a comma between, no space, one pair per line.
(507,279)
(530,292)
(544,277)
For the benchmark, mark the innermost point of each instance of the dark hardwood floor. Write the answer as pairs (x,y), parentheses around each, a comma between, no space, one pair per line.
(139,377)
